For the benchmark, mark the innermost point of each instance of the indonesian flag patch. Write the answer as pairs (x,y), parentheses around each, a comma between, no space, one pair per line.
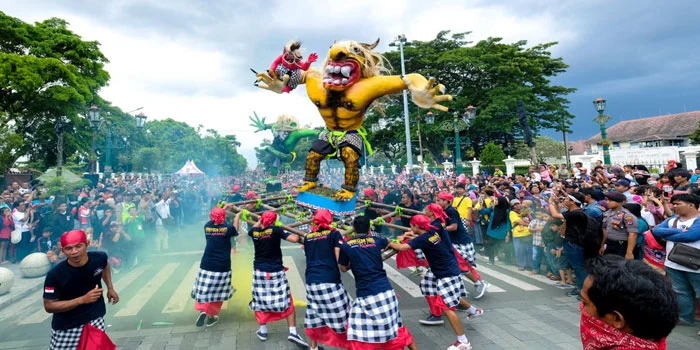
(48,289)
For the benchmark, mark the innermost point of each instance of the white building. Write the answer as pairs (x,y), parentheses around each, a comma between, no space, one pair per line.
(649,141)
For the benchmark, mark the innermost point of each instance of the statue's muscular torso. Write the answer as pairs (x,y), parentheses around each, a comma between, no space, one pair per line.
(345,110)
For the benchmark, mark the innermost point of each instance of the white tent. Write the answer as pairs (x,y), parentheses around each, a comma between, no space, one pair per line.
(189,169)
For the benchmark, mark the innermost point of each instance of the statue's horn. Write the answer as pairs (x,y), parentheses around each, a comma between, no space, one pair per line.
(372,45)
(295,46)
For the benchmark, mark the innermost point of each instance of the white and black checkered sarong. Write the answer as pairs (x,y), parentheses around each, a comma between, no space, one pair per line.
(349,139)
(375,318)
(419,254)
(210,286)
(294,75)
(68,339)
(328,304)
(271,292)
(466,222)
(451,289)
(466,251)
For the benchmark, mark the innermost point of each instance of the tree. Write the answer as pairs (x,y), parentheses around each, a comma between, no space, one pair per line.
(695,136)
(547,149)
(46,71)
(492,155)
(491,75)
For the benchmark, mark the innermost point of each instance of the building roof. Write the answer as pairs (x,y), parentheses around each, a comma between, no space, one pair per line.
(663,127)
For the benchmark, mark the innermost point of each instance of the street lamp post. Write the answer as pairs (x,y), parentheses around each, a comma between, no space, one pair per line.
(95,121)
(400,41)
(457,125)
(140,122)
(601,119)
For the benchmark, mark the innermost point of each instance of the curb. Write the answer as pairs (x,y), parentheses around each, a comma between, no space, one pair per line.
(14,297)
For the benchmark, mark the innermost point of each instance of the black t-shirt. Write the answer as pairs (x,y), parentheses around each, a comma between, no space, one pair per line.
(62,223)
(65,282)
(268,254)
(459,236)
(436,246)
(321,265)
(406,221)
(364,256)
(217,254)
(576,222)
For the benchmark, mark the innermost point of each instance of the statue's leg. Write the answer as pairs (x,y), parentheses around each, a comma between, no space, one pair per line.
(351,159)
(319,149)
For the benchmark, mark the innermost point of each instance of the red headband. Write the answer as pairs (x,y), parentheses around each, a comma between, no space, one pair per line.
(268,218)
(446,196)
(218,215)
(422,221)
(437,211)
(250,195)
(323,219)
(370,192)
(73,237)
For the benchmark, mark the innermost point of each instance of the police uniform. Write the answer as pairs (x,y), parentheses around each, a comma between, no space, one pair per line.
(618,224)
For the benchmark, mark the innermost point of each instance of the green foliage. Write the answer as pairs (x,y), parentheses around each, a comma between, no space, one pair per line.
(46,71)
(491,75)
(695,136)
(58,186)
(546,149)
(492,155)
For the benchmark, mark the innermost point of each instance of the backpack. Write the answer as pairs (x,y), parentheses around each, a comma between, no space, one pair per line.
(592,237)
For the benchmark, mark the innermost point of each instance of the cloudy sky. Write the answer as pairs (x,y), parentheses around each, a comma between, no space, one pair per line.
(190,60)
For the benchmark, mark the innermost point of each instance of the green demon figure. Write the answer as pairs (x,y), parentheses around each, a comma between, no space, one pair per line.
(286,133)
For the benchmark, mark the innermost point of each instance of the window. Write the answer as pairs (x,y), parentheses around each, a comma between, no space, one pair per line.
(634,144)
(616,145)
(650,144)
(675,143)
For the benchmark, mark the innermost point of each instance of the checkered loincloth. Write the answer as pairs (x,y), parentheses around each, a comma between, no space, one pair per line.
(375,318)
(450,289)
(210,286)
(271,292)
(68,339)
(349,139)
(294,75)
(328,304)
(466,251)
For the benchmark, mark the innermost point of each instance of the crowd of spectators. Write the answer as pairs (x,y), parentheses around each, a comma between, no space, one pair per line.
(550,221)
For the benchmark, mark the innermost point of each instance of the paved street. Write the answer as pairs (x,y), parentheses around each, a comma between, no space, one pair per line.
(522,312)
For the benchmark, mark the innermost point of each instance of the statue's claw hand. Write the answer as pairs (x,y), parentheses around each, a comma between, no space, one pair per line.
(426,93)
(270,81)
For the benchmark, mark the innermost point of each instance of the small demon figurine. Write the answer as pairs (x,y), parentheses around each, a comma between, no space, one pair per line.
(290,63)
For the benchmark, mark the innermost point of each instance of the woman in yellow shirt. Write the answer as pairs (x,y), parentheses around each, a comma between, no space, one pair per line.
(522,237)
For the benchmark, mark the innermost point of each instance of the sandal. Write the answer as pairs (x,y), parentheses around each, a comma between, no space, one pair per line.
(555,278)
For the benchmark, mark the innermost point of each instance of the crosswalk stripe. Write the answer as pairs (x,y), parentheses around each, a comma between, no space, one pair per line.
(538,278)
(130,277)
(296,284)
(41,315)
(144,294)
(507,279)
(491,289)
(402,281)
(181,296)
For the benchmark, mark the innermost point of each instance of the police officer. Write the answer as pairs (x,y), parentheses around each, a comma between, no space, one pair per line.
(620,228)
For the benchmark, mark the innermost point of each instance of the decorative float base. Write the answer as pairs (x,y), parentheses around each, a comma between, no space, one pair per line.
(321,198)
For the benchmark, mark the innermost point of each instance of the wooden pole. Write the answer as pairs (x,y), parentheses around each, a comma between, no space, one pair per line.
(408,211)
(285,227)
(253,201)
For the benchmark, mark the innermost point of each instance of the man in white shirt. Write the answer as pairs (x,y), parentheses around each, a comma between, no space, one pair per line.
(20,218)
(162,211)
(683,228)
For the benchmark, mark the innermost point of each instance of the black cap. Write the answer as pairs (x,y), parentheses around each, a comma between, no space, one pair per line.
(616,196)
